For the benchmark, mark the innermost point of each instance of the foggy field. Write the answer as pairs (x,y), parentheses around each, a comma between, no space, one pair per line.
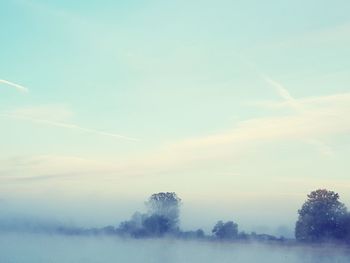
(37,248)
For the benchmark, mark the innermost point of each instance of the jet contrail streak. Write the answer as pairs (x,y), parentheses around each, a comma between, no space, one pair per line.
(293,103)
(283,93)
(14,85)
(71,126)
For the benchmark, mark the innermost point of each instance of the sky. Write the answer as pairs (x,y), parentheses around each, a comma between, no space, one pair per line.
(240,107)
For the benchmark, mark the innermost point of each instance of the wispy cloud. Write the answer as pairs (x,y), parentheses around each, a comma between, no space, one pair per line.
(14,85)
(67,126)
(291,102)
(283,93)
(317,118)
(324,117)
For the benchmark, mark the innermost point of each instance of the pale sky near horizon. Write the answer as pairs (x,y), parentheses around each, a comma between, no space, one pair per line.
(241,107)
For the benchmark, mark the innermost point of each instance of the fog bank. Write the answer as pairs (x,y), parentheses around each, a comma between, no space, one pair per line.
(37,248)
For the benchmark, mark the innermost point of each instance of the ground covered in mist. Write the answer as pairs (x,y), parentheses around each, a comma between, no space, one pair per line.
(40,248)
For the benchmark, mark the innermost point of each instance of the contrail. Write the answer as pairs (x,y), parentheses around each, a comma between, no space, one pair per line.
(280,89)
(293,103)
(283,93)
(288,98)
(14,85)
(71,126)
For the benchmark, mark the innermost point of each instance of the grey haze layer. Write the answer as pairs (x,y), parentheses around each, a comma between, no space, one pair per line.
(42,248)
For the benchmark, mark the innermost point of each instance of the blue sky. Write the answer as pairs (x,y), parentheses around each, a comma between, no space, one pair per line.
(244,104)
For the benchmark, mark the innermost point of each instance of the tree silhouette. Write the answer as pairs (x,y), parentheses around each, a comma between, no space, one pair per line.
(156,225)
(166,205)
(225,231)
(320,217)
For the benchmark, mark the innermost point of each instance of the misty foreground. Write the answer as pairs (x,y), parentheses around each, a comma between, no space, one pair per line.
(17,248)
(322,235)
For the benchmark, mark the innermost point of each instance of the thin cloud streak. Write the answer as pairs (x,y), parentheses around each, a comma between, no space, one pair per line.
(310,126)
(305,103)
(327,120)
(70,126)
(283,93)
(16,86)
(294,104)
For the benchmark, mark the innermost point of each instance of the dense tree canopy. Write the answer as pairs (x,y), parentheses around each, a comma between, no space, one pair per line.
(166,205)
(162,217)
(228,230)
(321,217)
(156,225)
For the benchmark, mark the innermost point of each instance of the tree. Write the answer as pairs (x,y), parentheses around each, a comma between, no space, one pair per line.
(225,231)
(166,205)
(134,226)
(320,217)
(156,225)
(344,230)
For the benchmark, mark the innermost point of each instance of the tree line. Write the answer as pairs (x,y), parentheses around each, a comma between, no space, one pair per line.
(322,218)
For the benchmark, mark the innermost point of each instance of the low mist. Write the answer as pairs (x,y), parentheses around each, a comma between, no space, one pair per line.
(39,248)
(156,235)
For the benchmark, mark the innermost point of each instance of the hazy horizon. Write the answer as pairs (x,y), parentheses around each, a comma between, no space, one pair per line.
(240,107)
